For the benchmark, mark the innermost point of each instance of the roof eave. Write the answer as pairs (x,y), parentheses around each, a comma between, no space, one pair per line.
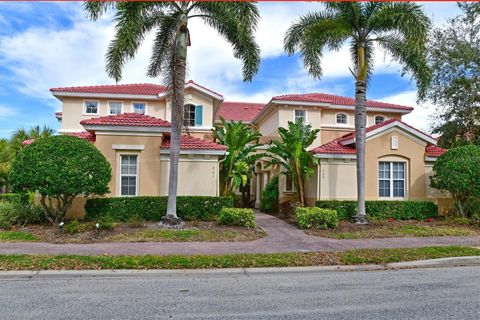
(59,94)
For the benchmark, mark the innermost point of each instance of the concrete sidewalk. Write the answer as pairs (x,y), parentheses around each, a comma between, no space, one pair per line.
(281,237)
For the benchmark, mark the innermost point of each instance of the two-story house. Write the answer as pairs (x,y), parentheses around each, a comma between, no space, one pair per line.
(129,125)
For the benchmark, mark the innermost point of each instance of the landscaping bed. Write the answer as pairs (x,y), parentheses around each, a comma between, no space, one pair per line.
(397,228)
(133,232)
(350,257)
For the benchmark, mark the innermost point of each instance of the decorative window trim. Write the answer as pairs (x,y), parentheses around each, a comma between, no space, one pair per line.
(143,102)
(84,108)
(391,179)
(305,119)
(109,108)
(346,117)
(137,181)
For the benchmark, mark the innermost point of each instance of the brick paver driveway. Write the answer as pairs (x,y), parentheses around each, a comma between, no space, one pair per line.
(281,237)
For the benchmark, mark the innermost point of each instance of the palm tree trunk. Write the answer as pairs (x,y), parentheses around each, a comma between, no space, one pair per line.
(360,126)
(178,90)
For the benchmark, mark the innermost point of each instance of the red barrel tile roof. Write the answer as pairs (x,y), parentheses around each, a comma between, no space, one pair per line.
(127,119)
(336,100)
(434,151)
(192,143)
(147,89)
(334,147)
(239,111)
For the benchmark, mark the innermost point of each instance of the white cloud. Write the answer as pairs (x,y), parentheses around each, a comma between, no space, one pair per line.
(6,112)
(421,117)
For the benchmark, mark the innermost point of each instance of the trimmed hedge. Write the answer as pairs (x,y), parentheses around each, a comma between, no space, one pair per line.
(383,209)
(15,197)
(316,218)
(153,208)
(242,217)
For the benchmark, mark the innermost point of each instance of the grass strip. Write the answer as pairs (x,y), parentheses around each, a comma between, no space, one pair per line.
(351,257)
(17,236)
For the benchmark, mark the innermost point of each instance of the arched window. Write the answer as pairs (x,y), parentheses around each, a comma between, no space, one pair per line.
(379,119)
(341,118)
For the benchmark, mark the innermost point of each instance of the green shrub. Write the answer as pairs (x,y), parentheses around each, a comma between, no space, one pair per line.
(242,217)
(15,197)
(20,214)
(269,200)
(106,223)
(382,210)
(316,218)
(75,227)
(153,208)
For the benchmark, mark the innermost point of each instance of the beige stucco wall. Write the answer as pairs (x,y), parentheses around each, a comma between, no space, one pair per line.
(73,110)
(197,175)
(337,179)
(149,173)
(269,126)
(196,98)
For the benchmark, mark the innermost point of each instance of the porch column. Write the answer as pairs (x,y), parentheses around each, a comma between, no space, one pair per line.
(257,190)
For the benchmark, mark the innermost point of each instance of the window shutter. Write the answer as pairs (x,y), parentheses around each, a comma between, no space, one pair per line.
(198,115)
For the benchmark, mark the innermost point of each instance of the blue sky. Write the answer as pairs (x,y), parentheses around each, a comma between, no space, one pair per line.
(44,45)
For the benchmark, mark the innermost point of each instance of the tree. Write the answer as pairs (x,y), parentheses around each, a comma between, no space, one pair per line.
(399,28)
(22,134)
(454,57)
(292,155)
(242,143)
(6,155)
(60,168)
(457,172)
(235,21)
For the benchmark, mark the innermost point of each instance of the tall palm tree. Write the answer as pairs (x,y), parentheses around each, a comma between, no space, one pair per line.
(235,21)
(292,155)
(241,141)
(400,28)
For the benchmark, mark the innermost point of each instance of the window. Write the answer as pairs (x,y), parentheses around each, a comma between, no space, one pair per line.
(189,115)
(91,107)
(115,107)
(128,175)
(289,186)
(341,118)
(139,107)
(391,177)
(379,119)
(300,115)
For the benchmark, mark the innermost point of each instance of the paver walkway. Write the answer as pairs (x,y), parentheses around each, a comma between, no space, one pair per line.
(281,237)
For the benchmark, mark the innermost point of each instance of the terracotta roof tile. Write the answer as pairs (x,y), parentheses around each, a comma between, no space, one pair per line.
(239,111)
(192,143)
(336,100)
(334,147)
(434,151)
(134,89)
(127,119)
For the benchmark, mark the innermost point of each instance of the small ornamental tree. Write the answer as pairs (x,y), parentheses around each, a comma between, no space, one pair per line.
(458,172)
(60,168)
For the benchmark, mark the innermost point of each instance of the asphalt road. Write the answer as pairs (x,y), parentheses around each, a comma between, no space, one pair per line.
(444,293)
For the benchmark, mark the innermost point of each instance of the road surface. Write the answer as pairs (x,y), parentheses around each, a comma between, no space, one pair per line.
(443,293)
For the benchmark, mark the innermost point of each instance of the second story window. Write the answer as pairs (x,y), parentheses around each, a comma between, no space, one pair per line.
(192,115)
(115,107)
(341,118)
(300,115)
(139,107)
(379,119)
(91,107)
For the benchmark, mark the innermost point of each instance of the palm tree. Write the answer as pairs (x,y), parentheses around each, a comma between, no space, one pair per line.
(235,21)
(400,28)
(21,134)
(241,141)
(292,155)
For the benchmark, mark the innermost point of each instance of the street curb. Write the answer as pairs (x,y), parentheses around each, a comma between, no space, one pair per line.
(59,274)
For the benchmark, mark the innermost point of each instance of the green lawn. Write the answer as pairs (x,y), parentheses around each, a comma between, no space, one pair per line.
(402,231)
(156,235)
(351,257)
(17,236)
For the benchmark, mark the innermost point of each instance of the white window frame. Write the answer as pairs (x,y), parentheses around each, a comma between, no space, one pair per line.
(142,102)
(84,109)
(194,114)
(391,179)
(109,108)
(304,118)
(137,175)
(285,185)
(336,119)
(378,115)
